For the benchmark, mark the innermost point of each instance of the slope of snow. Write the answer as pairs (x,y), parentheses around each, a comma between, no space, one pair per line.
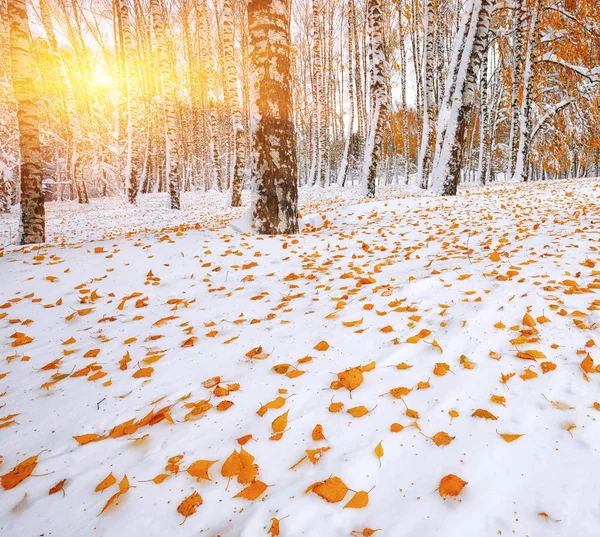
(186,305)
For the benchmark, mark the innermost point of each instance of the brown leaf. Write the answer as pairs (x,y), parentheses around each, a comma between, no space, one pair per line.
(58,487)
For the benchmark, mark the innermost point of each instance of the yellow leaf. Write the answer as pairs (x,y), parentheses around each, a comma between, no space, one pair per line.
(160,478)
(351,324)
(322,346)
(441,369)
(199,469)
(412,414)
(451,485)
(123,488)
(528,320)
(188,506)
(358,411)
(336,407)
(19,473)
(108,481)
(332,490)
(252,491)
(378,453)
(498,399)
(87,438)
(280,423)
(481,413)
(437,346)
(495,257)
(274,529)
(399,392)
(530,355)
(547,367)
(351,378)
(358,501)
(442,438)
(317,433)
(528,374)
(232,466)
(368,367)
(587,364)
(510,437)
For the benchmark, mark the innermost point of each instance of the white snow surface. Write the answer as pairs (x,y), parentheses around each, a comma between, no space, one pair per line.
(407,262)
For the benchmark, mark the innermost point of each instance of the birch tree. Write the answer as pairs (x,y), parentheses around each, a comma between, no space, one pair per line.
(518,53)
(379,99)
(427,73)
(33,225)
(234,107)
(469,47)
(169,100)
(6,113)
(275,203)
(522,165)
(132,166)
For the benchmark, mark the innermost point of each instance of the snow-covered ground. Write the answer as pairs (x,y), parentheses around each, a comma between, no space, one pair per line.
(474,316)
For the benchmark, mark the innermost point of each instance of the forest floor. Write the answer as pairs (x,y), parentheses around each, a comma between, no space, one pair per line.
(159,377)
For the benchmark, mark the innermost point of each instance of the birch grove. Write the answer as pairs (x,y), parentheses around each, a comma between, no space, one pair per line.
(151,96)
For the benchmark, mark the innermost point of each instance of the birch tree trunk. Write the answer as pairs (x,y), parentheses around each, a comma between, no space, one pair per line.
(448,167)
(33,228)
(518,53)
(275,205)
(429,95)
(360,89)
(484,135)
(378,95)
(343,173)
(133,165)
(320,96)
(169,100)
(5,173)
(401,39)
(522,165)
(235,110)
